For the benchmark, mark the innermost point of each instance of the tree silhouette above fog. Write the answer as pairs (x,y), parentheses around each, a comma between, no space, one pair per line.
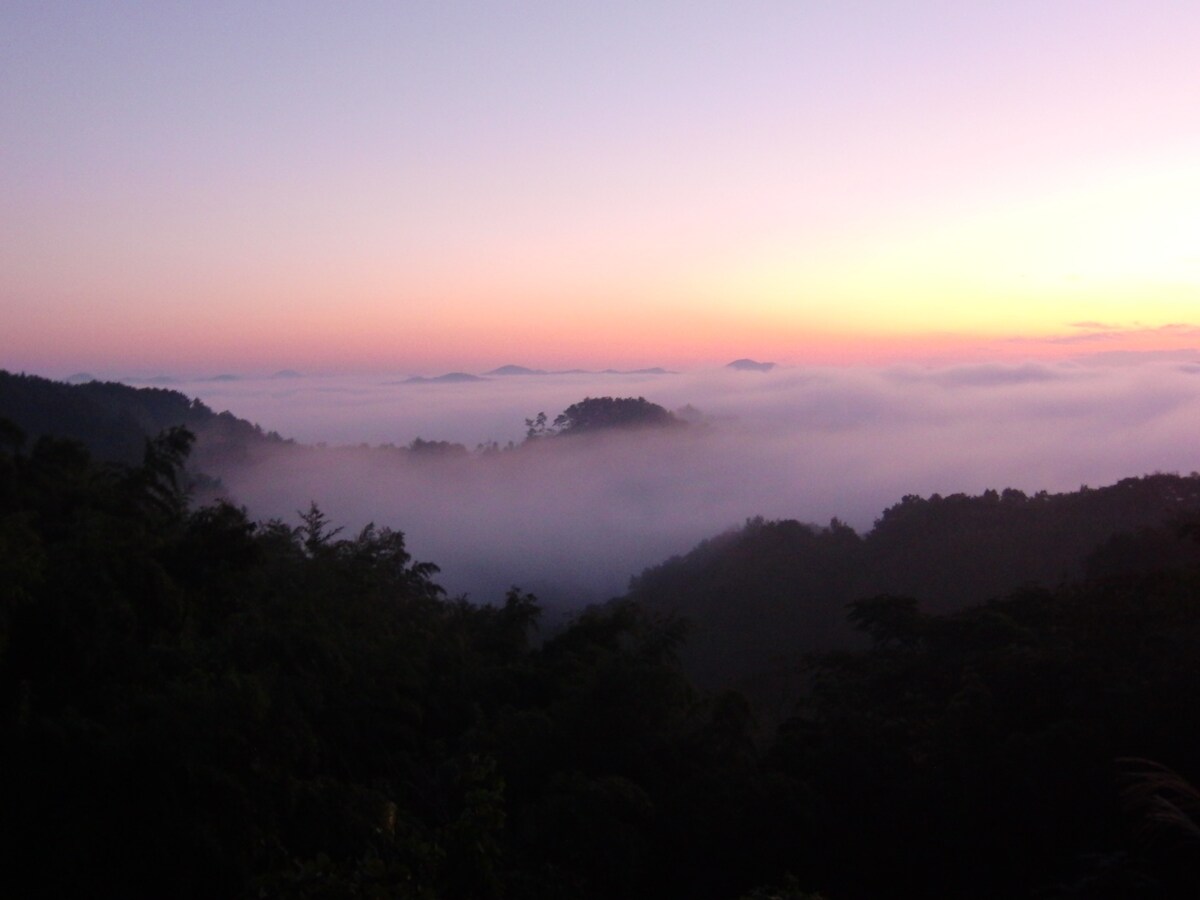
(194,704)
(593,414)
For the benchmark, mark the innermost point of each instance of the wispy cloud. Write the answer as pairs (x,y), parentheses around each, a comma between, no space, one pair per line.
(1134,336)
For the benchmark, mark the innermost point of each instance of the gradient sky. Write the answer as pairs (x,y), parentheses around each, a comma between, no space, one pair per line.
(428,186)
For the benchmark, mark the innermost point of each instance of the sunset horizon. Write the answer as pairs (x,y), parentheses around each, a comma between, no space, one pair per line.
(1073,342)
(425,189)
(565,450)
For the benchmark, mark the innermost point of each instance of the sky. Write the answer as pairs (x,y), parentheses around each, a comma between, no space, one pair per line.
(420,187)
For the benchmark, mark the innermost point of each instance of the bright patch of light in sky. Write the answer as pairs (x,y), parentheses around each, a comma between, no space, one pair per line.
(434,186)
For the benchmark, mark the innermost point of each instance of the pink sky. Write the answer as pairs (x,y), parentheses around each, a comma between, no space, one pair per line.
(425,187)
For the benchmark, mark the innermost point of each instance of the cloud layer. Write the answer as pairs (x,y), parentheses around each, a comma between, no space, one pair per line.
(573,519)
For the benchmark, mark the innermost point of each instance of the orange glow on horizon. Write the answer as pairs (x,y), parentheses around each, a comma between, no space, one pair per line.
(316,344)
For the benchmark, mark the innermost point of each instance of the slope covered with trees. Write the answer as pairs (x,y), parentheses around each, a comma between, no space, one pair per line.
(193,704)
(114,420)
(1040,744)
(759,598)
(598,414)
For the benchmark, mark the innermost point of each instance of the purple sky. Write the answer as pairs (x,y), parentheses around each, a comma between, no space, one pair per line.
(379,186)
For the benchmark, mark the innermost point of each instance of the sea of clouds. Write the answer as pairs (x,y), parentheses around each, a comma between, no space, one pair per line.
(572,520)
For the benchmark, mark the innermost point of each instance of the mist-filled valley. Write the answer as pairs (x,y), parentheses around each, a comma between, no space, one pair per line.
(577,451)
(217,679)
(981,693)
(574,520)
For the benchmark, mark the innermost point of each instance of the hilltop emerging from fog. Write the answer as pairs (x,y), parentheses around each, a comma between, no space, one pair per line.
(574,519)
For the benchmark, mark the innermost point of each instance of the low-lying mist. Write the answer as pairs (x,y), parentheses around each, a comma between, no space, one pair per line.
(571,518)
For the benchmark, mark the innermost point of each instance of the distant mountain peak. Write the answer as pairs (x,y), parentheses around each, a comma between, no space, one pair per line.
(525,370)
(655,370)
(515,370)
(750,365)
(448,378)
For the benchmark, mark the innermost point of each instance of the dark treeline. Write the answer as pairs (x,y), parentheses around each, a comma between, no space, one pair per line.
(593,414)
(113,421)
(193,704)
(759,598)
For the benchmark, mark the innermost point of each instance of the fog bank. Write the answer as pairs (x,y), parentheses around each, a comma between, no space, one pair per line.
(573,518)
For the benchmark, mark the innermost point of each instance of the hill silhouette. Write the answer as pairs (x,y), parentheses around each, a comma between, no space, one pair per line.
(750,365)
(448,378)
(114,420)
(598,414)
(199,705)
(759,598)
(516,370)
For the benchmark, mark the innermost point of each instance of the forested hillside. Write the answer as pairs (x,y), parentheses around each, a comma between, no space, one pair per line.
(759,598)
(194,704)
(113,420)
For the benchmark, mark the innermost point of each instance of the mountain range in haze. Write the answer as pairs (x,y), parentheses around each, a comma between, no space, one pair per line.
(515,370)
(739,365)
(291,687)
(796,577)
(512,369)
(750,365)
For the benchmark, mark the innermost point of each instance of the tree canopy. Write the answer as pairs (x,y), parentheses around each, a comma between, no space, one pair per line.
(194,704)
(593,414)
(760,597)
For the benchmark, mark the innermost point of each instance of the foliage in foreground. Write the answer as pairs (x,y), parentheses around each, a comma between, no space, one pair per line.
(194,705)
(759,598)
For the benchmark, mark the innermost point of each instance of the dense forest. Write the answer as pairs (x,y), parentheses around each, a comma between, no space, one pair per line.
(760,597)
(195,704)
(113,420)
